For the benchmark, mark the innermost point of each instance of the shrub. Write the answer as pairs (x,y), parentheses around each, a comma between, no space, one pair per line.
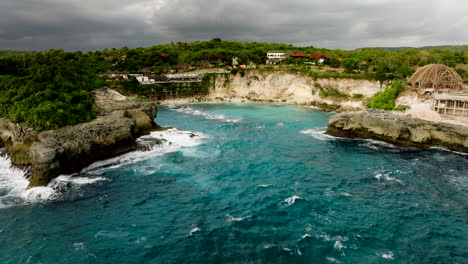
(234,71)
(386,100)
(357,96)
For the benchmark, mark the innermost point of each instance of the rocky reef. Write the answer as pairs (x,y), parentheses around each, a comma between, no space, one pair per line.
(47,154)
(398,129)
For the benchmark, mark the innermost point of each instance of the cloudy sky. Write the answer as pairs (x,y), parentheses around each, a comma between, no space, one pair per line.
(346,24)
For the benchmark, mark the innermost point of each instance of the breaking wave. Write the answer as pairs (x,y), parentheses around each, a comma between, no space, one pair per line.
(14,185)
(195,112)
(318,133)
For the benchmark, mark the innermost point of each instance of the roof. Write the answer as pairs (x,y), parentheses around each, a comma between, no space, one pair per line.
(158,77)
(454,97)
(325,56)
(163,54)
(315,56)
(298,54)
(144,70)
(436,76)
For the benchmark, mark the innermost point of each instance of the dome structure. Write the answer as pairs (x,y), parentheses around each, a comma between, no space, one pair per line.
(437,77)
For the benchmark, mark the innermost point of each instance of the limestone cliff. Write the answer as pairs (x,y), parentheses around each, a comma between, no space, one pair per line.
(399,130)
(66,150)
(295,88)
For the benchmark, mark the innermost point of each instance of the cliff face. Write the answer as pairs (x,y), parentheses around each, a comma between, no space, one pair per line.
(295,88)
(399,130)
(67,150)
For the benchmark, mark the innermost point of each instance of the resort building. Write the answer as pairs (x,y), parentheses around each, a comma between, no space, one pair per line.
(445,86)
(451,104)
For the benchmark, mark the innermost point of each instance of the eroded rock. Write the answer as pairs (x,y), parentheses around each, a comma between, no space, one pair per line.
(67,150)
(399,130)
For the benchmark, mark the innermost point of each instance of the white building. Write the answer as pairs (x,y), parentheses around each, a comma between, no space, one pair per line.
(276,55)
(142,79)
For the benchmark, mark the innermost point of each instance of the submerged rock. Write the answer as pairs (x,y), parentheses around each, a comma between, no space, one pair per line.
(399,130)
(67,150)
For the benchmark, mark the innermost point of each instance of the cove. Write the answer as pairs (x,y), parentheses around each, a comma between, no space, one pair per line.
(244,183)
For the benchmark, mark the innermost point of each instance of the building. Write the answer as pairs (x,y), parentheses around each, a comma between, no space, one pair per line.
(435,78)
(142,79)
(445,86)
(451,104)
(145,71)
(298,55)
(276,55)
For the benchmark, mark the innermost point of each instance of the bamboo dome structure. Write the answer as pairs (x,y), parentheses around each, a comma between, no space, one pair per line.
(436,77)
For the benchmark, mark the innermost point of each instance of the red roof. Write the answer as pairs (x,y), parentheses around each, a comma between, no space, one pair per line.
(339,59)
(163,54)
(315,56)
(325,57)
(298,55)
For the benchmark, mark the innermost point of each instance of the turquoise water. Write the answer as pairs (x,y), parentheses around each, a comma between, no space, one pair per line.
(250,183)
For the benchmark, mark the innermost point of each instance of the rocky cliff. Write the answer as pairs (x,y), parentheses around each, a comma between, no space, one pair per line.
(47,154)
(296,88)
(399,130)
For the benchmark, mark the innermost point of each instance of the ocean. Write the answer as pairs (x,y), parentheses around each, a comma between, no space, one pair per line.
(244,183)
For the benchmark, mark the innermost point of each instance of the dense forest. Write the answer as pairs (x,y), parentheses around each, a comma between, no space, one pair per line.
(51,89)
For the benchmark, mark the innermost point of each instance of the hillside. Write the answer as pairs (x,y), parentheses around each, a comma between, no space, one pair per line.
(442,47)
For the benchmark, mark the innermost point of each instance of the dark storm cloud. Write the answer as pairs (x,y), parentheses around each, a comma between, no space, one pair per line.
(74,24)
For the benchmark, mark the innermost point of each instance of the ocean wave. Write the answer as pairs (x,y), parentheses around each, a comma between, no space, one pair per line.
(13,182)
(318,133)
(231,218)
(387,255)
(386,177)
(313,107)
(170,141)
(195,112)
(291,200)
(14,186)
(193,231)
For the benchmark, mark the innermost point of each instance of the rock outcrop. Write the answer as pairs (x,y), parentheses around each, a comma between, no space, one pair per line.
(47,154)
(296,87)
(399,130)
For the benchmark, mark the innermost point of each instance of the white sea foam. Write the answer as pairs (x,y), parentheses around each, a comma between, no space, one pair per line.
(13,183)
(231,218)
(333,260)
(386,177)
(318,133)
(338,245)
(448,150)
(171,140)
(280,124)
(291,200)
(193,231)
(264,185)
(387,255)
(195,112)
(79,246)
(312,107)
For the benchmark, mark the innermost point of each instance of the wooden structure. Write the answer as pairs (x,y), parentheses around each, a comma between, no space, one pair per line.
(451,104)
(436,77)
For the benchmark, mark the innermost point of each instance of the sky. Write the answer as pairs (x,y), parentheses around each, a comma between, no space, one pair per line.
(345,24)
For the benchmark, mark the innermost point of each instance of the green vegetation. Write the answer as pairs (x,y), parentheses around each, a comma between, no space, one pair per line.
(48,90)
(357,96)
(386,100)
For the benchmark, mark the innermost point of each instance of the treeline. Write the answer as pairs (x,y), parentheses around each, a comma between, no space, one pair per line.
(48,90)
(52,89)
